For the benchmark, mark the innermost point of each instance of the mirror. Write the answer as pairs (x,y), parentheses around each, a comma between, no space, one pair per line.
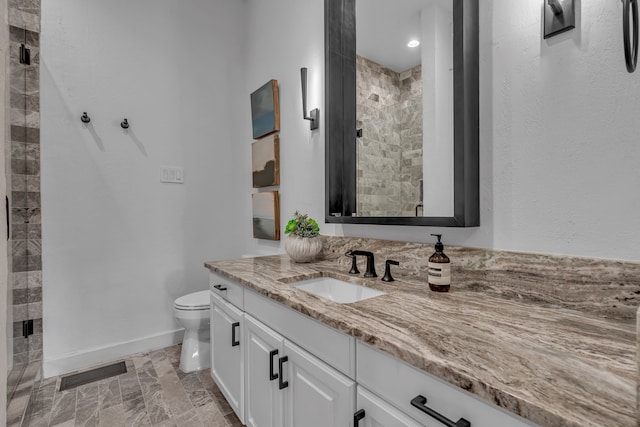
(398,165)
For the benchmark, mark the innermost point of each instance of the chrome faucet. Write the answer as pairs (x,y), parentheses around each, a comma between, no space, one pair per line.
(371,267)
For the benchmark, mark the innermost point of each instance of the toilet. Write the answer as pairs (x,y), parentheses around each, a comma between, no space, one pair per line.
(192,312)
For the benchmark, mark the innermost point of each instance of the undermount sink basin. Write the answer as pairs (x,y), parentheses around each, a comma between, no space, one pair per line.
(337,290)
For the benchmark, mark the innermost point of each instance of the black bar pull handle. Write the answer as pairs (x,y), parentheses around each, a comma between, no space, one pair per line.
(234,342)
(220,288)
(8,212)
(272,376)
(281,362)
(357,417)
(420,403)
(630,34)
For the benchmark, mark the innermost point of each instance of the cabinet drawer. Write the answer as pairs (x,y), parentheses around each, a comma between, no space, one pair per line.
(226,289)
(378,412)
(331,346)
(399,383)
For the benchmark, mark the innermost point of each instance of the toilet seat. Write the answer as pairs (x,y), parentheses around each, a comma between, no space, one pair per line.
(195,301)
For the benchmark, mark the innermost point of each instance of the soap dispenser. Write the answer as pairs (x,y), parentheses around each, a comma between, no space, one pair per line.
(439,268)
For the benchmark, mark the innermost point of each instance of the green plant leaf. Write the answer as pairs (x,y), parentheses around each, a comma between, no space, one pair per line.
(291,225)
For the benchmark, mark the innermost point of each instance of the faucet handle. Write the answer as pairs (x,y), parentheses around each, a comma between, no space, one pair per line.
(387,270)
(354,265)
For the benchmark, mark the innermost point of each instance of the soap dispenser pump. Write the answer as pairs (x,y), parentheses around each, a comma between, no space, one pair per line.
(439,268)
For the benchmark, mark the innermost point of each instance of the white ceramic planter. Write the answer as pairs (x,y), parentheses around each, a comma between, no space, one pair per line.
(302,249)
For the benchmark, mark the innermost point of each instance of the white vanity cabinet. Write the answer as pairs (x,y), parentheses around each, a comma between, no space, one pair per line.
(288,386)
(401,384)
(277,367)
(282,370)
(227,349)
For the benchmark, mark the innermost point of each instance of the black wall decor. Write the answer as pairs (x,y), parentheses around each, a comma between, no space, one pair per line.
(340,129)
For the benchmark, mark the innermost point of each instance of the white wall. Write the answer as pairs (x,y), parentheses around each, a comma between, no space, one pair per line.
(282,37)
(118,245)
(559,129)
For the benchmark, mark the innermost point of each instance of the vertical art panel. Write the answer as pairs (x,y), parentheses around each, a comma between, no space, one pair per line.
(265,110)
(265,162)
(266,215)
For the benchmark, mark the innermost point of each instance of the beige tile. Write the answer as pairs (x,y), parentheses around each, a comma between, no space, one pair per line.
(176,396)
(112,416)
(16,409)
(135,411)
(157,407)
(37,420)
(87,406)
(130,385)
(64,406)
(152,393)
(88,416)
(192,382)
(109,393)
(189,418)
(173,353)
(211,416)
(140,361)
(174,391)
(200,398)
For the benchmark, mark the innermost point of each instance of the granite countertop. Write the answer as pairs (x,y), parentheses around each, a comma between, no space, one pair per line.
(549,363)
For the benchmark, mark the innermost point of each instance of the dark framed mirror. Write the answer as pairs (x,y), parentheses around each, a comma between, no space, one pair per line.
(346,186)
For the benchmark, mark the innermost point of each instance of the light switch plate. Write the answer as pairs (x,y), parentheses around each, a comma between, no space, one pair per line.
(171,174)
(555,24)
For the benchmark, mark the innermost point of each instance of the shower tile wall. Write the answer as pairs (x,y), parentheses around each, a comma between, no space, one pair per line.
(389,154)
(24,140)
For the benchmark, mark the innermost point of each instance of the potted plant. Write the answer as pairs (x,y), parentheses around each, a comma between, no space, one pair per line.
(302,244)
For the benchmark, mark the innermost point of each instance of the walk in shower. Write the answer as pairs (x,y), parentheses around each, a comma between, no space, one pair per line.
(24,311)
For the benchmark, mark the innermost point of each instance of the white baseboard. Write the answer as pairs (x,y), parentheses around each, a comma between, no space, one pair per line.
(111,353)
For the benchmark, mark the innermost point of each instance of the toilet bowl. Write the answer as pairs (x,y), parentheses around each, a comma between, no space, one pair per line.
(192,312)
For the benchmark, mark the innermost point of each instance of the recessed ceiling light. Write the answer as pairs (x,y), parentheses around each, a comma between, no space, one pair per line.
(413,43)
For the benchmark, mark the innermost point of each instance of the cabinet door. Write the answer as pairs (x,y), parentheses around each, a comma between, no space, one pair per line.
(264,399)
(317,395)
(227,356)
(379,413)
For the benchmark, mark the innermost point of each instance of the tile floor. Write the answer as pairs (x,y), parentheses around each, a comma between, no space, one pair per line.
(153,392)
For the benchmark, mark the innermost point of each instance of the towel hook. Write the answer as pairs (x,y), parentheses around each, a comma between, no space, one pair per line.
(124,124)
(630,47)
(85,118)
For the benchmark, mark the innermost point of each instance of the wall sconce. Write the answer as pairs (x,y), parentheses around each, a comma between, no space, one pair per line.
(314,115)
(559,16)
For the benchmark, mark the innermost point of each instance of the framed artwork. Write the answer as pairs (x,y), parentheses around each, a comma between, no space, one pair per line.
(266,215)
(265,161)
(265,110)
